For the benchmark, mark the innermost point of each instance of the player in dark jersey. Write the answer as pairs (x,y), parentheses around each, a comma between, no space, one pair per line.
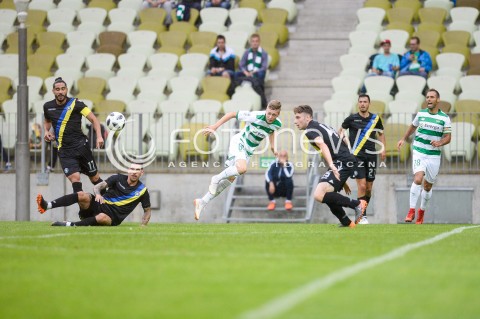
(64,116)
(363,128)
(342,165)
(122,196)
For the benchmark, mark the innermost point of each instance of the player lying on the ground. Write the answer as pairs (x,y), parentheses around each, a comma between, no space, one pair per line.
(122,196)
(259,125)
(342,165)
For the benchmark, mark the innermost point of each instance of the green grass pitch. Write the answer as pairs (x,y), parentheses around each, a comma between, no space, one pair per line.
(226,270)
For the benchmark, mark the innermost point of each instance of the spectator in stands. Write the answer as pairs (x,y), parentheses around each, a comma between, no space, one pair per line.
(279,181)
(218,3)
(5,156)
(416,61)
(167,5)
(253,67)
(36,137)
(385,63)
(196,4)
(222,59)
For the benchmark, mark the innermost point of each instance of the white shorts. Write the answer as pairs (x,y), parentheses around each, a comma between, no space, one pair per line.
(236,151)
(427,164)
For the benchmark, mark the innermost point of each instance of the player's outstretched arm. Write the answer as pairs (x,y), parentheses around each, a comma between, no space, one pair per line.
(147,212)
(96,125)
(97,189)
(271,139)
(327,156)
(409,132)
(212,128)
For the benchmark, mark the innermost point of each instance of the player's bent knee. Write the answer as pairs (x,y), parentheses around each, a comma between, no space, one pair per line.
(103,219)
(427,186)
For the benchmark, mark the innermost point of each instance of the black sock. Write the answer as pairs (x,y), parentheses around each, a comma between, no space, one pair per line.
(66,200)
(77,187)
(99,180)
(338,211)
(90,221)
(338,199)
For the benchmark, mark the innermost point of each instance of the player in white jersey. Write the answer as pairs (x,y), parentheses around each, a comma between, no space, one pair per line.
(242,145)
(433,130)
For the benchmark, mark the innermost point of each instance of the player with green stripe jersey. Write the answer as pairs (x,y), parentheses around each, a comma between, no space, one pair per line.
(259,125)
(432,129)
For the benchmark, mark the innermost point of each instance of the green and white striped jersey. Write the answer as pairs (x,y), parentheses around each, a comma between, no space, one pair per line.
(256,129)
(430,127)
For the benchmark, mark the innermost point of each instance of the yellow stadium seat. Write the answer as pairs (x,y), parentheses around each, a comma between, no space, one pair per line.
(429,37)
(432,15)
(274,15)
(280,29)
(203,38)
(456,37)
(197,142)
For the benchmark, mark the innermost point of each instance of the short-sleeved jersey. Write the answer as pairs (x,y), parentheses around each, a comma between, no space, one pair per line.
(338,149)
(430,127)
(67,122)
(256,129)
(121,198)
(362,131)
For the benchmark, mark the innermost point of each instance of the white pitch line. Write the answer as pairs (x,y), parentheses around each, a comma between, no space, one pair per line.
(286,302)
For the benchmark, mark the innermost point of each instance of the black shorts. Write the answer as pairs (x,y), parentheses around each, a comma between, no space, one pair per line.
(78,160)
(367,167)
(95,208)
(346,170)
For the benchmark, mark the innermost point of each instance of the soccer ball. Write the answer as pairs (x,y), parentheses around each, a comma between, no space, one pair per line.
(115,121)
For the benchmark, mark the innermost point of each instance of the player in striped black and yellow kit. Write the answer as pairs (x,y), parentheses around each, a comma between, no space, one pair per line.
(122,196)
(63,121)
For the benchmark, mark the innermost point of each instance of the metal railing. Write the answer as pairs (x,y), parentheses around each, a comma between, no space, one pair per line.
(178,145)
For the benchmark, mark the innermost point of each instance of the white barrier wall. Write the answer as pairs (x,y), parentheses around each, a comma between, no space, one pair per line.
(177,192)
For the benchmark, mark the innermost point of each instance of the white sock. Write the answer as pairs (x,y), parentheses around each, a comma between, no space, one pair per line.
(414,193)
(425,198)
(49,205)
(69,224)
(226,173)
(221,187)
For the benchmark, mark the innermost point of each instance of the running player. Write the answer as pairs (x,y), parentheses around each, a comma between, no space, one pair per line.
(242,145)
(434,131)
(342,165)
(363,126)
(64,115)
(122,196)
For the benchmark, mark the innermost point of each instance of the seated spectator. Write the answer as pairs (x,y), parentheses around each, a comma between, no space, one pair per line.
(222,60)
(36,137)
(196,4)
(218,3)
(165,4)
(385,63)
(253,67)
(416,61)
(279,181)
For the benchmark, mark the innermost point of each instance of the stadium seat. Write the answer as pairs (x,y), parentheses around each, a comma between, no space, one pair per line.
(412,83)
(366,26)
(202,108)
(7,18)
(92,15)
(450,64)
(403,107)
(70,61)
(336,111)
(197,145)
(398,40)
(254,4)
(243,27)
(183,95)
(135,61)
(465,14)
(172,106)
(346,83)
(48,82)
(131,4)
(461,142)
(152,15)
(36,20)
(100,64)
(196,61)
(53,39)
(401,26)
(460,49)
(363,41)
(35,85)
(429,37)
(468,3)
(470,83)
(249,96)
(396,130)
(447,5)
(202,38)
(354,64)
(280,29)
(235,106)
(243,15)
(176,39)
(140,106)
(164,132)
(432,15)
(12,42)
(400,15)
(384,4)
(414,5)
(103,4)
(379,88)
(214,14)
(105,107)
(214,27)
(274,16)
(76,5)
(183,83)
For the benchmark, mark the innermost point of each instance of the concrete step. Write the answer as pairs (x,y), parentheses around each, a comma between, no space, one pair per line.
(264,209)
(262,197)
(265,220)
